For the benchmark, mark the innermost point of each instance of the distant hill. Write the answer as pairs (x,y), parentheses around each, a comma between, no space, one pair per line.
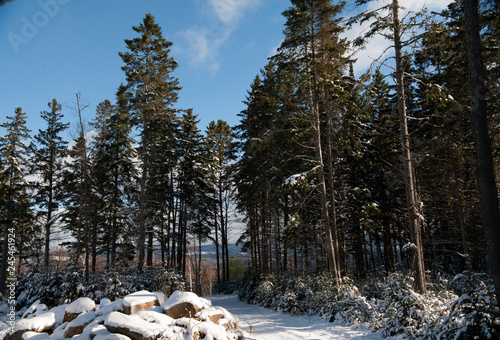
(208,251)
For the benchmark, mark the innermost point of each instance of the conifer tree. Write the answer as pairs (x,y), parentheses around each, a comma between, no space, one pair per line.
(190,152)
(313,48)
(221,150)
(386,19)
(15,209)
(153,91)
(114,171)
(77,199)
(48,163)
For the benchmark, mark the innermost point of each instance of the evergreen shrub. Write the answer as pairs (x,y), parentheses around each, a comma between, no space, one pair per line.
(53,287)
(388,304)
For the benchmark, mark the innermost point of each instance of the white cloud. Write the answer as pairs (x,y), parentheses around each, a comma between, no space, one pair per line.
(230,12)
(198,45)
(201,44)
(201,48)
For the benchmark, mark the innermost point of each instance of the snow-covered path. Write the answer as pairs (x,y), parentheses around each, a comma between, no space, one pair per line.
(264,324)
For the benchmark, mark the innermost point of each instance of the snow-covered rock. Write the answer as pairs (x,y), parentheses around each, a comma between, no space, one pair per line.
(77,307)
(132,326)
(35,336)
(102,333)
(36,307)
(58,333)
(162,320)
(183,305)
(205,329)
(77,325)
(104,302)
(195,318)
(59,311)
(115,306)
(37,324)
(139,301)
(210,314)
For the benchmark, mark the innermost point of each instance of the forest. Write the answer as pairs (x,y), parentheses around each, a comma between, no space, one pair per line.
(393,171)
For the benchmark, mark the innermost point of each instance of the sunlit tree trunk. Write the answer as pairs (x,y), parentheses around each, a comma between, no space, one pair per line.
(414,206)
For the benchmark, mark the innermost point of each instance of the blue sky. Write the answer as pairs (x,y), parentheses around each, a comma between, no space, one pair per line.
(54,48)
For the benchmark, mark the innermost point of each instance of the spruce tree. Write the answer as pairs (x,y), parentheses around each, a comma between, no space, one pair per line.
(114,171)
(47,163)
(221,150)
(386,20)
(148,67)
(15,209)
(313,48)
(190,152)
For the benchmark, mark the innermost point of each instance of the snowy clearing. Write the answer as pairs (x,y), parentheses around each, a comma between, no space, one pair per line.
(260,323)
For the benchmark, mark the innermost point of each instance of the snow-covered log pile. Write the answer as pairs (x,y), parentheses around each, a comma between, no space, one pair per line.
(139,316)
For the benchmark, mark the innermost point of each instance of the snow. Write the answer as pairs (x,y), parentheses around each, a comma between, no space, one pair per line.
(162,298)
(35,336)
(112,307)
(104,302)
(133,323)
(178,297)
(83,319)
(138,298)
(58,333)
(80,305)
(292,180)
(209,328)
(207,313)
(260,323)
(37,323)
(35,307)
(59,312)
(227,315)
(164,321)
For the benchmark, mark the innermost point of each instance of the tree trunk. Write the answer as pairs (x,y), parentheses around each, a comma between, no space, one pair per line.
(49,211)
(332,263)
(149,258)
(388,248)
(488,195)
(141,241)
(331,182)
(414,209)
(461,220)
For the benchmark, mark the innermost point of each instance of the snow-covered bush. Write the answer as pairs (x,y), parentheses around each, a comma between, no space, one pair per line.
(469,282)
(318,294)
(29,287)
(352,307)
(475,315)
(65,286)
(389,304)
(288,295)
(265,292)
(248,286)
(408,312)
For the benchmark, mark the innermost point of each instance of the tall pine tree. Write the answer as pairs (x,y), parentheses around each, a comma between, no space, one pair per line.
(47,164)
(15,209)
(153,90)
